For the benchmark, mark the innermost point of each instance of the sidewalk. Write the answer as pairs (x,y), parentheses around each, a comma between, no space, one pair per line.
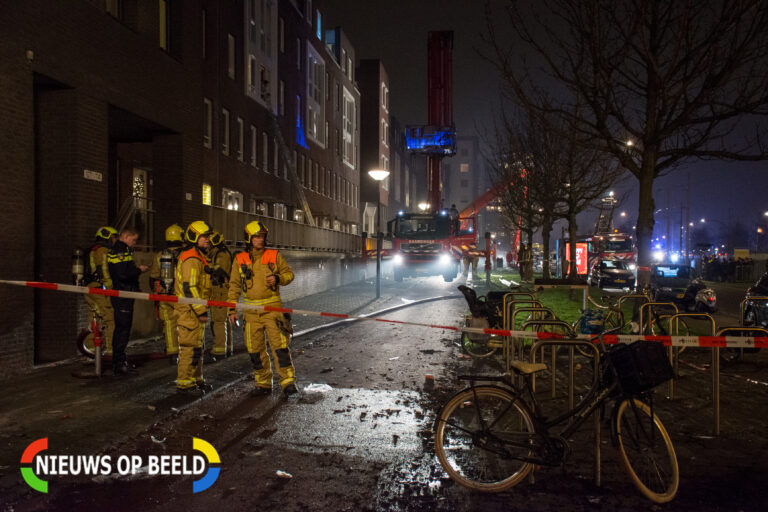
(89,415)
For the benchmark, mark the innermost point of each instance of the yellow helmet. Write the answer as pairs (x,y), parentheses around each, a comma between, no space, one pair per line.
(105,232)
(255,228)
(196,230)
(173,233)
(216,238)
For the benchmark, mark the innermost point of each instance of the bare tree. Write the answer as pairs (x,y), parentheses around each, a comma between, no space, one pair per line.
(661,81)
(552,176)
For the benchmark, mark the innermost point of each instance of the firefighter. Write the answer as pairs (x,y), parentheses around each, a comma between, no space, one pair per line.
(161,281)
(257,275)
(221,263)
(101,306)
(124,273)
(192,281)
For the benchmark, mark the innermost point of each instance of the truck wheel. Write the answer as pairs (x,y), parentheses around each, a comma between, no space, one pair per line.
(448,277)
(399,276)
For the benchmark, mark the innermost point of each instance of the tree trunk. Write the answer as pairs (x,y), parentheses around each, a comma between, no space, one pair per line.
(645,222)
(546,233)
(573,273)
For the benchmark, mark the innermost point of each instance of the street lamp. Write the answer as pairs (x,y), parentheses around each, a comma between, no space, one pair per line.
(379,175)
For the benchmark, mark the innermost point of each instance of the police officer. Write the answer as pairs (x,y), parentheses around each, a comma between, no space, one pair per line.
(125,276)
(192,281)
(221,264)
(257,275)
(161,281)
(106,236)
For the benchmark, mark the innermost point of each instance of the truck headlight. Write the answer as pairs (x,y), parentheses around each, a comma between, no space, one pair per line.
(445,259)
(397,259)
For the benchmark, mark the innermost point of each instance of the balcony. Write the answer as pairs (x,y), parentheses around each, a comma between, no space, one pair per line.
(283,234)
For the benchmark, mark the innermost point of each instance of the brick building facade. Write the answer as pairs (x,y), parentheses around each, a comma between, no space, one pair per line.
(150,112)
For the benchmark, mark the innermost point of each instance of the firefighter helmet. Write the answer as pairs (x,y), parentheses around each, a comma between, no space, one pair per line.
(173,233)
(106,232)
(255,228)
(216,238)
(196,230)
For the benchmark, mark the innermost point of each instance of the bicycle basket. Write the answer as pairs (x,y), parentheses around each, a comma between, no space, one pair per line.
(640,366)
(591,322)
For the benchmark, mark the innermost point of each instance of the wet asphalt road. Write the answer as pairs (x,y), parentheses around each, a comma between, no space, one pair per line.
(359,437)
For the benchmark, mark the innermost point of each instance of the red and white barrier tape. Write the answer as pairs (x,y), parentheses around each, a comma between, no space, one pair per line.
(675,341)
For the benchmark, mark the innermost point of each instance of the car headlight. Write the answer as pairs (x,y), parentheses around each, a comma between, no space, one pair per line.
(397,259)
(445,259)
(632,266)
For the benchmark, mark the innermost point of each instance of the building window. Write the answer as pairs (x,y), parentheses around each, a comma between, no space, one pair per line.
(275,157)
(315,121)
(328,183)
(343,61)
(281,97)
(321,182)
(384,96)
(317,176)
(464,183)
(225,131)
(301,170)
(251,74)
(464,152)
(298,53)
(308,11)
(280,211)
(163,24)
(254,143)
(208,122)
(265,151)
(113,8)
(308,181)
(240,138)
(319,29)
(464,168)
(264,77)
(266,26)
(349,69)
(349,124)
(202,23)
(281,34)
(231,56)
(207,194)
(231,199)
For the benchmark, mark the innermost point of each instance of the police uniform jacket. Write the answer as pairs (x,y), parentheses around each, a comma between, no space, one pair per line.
(122,270)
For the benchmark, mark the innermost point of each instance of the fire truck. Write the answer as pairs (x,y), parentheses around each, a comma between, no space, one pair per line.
(434,242)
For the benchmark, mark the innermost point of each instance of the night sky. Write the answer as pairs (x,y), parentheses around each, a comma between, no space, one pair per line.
(396,32)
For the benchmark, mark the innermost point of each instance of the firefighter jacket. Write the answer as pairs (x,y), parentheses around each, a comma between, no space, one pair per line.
(193,279)
(249,277)
(121,268)
(99,274)
(155,279)
(221,265)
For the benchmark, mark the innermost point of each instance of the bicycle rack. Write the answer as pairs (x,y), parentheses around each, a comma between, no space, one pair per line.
(744,301)
(511,325)
(715,365)
(550,323)
(650,316)
(572,343)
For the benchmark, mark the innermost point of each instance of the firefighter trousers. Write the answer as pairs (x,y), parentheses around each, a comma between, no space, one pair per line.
(222,329)
(123,322)
(190,369)
(272,324)
(101,305)
(170,330)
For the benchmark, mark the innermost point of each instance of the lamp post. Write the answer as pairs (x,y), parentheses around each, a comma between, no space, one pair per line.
(379,175)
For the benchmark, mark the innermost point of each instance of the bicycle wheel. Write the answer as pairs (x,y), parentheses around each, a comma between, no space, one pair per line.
(646,451)
(483,437)
(478,345)
(85,343)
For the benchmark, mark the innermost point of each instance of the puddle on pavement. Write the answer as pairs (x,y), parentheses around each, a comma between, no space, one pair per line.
(366,423)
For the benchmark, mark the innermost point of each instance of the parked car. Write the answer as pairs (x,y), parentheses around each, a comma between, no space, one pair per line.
(756,311)
(680,285)
(610,273)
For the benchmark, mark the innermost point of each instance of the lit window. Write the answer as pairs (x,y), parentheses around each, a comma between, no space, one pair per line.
(319,26)
(349,124)
(464,168)
(207,194)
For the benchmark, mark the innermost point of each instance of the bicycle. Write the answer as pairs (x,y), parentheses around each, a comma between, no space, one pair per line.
(490,437)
